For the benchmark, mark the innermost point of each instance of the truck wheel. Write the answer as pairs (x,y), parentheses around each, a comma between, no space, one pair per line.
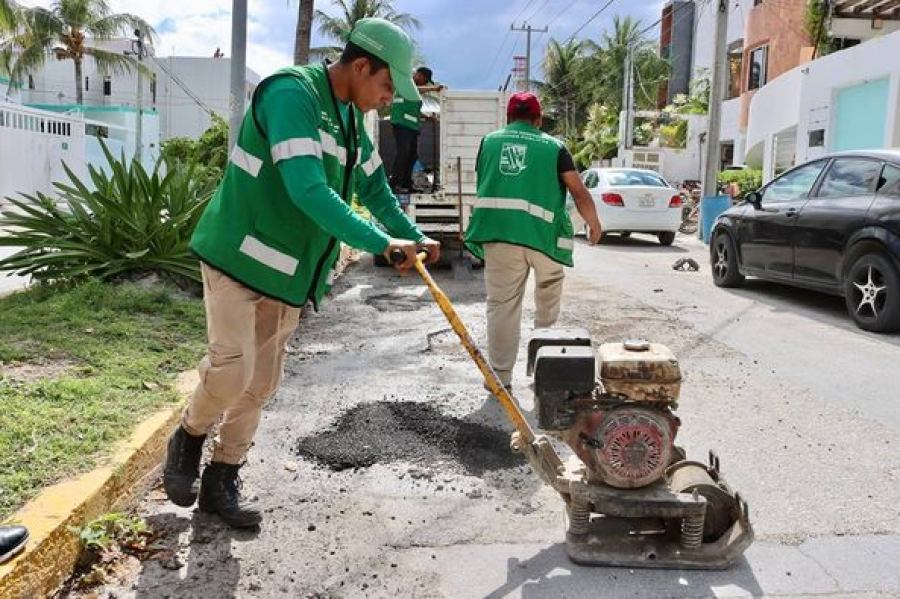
(872,294)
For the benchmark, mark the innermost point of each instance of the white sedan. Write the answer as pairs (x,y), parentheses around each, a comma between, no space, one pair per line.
(631,200)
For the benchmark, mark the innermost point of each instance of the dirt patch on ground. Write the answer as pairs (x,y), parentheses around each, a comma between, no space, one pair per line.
(26,373)
(411,432)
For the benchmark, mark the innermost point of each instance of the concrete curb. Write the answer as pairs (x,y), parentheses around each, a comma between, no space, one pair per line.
(53,549)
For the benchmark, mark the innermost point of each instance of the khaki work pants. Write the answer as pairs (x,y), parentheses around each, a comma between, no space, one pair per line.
(506,272)
(247,333)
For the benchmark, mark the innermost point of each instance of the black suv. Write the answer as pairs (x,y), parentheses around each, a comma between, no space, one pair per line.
(832,225)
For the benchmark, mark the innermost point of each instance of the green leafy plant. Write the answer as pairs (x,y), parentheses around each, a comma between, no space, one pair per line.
(815,25)
(601,136)
(747,180)
(207,155)
(134,223)
(109,530)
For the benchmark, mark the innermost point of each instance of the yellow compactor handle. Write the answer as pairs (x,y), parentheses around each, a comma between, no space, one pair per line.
(490,377)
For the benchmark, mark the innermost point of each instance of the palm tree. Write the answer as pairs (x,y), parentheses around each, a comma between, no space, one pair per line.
(605,68)
(303,33)
(560,90)
(7,16)
(67,30)
(352,11)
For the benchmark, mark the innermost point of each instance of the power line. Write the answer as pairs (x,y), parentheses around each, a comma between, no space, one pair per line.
(513,52)
(184,87)
(636,36)
(562,12)
(490,70)
(588,22)
(539,9)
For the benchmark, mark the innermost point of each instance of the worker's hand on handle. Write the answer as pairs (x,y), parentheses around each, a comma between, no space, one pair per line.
(432,248)
(401,253)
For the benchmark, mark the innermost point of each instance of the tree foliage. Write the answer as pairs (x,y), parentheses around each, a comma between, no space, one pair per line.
(70,30)
(351,11)
(584,81)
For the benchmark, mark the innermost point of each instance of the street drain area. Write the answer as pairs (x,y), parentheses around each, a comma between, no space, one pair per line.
(411,432)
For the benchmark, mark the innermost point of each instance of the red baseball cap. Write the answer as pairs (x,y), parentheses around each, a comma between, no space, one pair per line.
(523,105)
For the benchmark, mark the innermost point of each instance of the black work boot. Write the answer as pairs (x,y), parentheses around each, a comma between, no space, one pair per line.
(12,541)
(183,467)
(220,494)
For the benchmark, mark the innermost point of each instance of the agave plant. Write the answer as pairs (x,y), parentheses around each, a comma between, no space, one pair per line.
(133,223)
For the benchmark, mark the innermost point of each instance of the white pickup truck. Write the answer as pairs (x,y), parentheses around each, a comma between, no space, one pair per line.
(465,118)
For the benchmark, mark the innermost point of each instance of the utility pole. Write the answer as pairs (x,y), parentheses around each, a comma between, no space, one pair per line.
(238,68)
(528,29)
(628,96)
(716,97)
(138,50)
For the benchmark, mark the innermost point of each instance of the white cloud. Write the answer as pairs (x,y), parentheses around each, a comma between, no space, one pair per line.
(198,27)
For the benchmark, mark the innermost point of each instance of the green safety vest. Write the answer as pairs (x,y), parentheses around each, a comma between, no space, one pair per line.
(406,113)
(520,199)
(252,231)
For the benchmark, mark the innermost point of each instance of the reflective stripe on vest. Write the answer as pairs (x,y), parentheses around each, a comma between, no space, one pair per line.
(307,146)
(330,146)
(371,165)
(411,117)
(246,161)
(564,243)
(297,146)
(516,204)
(269,256)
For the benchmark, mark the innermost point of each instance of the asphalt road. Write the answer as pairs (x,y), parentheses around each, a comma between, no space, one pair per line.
(383,474)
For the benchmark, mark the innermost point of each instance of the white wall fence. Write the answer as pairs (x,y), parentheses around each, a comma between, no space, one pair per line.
(33,146)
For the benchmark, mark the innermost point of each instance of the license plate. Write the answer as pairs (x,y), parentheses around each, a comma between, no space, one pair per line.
(647,202)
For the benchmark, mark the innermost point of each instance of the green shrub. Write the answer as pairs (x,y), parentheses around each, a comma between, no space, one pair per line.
(207,155)
(135,223)
(748,180)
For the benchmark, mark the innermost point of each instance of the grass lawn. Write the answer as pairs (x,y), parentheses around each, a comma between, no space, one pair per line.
(80,366)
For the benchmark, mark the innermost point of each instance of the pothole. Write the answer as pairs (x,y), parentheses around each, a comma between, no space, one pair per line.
(386,432)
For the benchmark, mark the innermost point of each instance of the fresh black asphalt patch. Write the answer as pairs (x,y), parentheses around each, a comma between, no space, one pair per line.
(386,432)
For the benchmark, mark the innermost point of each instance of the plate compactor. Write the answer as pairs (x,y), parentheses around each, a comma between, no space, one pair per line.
(632,498)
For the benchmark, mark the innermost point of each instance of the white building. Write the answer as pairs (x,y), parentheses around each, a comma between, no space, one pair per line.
(188,88)
(844,101)
(180,94)
(766,40)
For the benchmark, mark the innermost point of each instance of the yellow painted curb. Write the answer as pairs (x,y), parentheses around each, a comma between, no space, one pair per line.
(53,550)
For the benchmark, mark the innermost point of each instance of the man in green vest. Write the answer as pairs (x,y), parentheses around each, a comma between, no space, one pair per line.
(406,116)
(520,223)
(270,238)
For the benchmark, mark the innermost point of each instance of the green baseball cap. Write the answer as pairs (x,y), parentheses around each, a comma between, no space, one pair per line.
(391,44)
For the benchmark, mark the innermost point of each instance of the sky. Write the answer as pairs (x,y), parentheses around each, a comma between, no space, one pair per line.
(468,43)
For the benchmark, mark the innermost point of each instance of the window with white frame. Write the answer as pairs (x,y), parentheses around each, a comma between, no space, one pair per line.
(759,59)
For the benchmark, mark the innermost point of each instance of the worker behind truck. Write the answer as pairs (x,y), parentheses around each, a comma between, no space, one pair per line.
(406,116)
(270,239)
(520,224)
